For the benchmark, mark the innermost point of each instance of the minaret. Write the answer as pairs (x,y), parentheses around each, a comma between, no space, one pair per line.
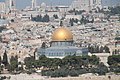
(33,4)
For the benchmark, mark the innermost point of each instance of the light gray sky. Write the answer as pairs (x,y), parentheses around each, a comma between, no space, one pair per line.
(23,3)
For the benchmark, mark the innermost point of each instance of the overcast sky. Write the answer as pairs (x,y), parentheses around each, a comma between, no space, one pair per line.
(23,3)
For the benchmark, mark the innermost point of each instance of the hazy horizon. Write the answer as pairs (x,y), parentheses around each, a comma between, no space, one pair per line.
(20,4)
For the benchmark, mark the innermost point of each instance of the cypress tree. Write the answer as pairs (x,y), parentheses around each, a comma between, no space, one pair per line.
(0,61)
(61,23)
(5,59)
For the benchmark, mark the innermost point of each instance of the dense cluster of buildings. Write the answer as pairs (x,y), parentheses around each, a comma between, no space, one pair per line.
(86,4)
(24,38)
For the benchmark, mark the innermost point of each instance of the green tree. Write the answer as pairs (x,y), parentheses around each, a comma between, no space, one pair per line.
(29,62)
(39,18)
(70,65)
(85,59)
(73,73)
(114,62)
(12,20)
(97,49)
(60,73)
(43,62)
(94,60)
(72,62)
(5,59)
(91,49)
(83,20)
(101,49)
(33,18)
(42,57)
(115,10)
(55,16)
(0,69)
(0,64)
(76,20)
(101,69)
(0,60)
(114,59)
(106,49)
(119,18)
(115,68)
(43,45)
(61,23)
(46,18)
(13,63)
(56,73)
(55,63)
(71,22)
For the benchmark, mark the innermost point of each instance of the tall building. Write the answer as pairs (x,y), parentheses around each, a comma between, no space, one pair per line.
(34,4)
(62,45)
(97,3)
(2,7)
(86,4)
(80,5)
(13,4)
(10,5)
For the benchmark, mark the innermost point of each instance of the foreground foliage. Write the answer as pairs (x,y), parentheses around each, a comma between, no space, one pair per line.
(114,62)
(68,66)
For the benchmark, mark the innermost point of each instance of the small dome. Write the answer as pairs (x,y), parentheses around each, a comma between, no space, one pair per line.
(62,34)
(43,4)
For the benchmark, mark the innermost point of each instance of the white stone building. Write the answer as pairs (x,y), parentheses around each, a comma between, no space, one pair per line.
(10,5)
(33,4)
(86,5)
(2,6)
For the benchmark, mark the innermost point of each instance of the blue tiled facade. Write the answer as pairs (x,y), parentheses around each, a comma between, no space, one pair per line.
(62,49)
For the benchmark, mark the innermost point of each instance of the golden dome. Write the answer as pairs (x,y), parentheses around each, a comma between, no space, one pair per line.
(62,34)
